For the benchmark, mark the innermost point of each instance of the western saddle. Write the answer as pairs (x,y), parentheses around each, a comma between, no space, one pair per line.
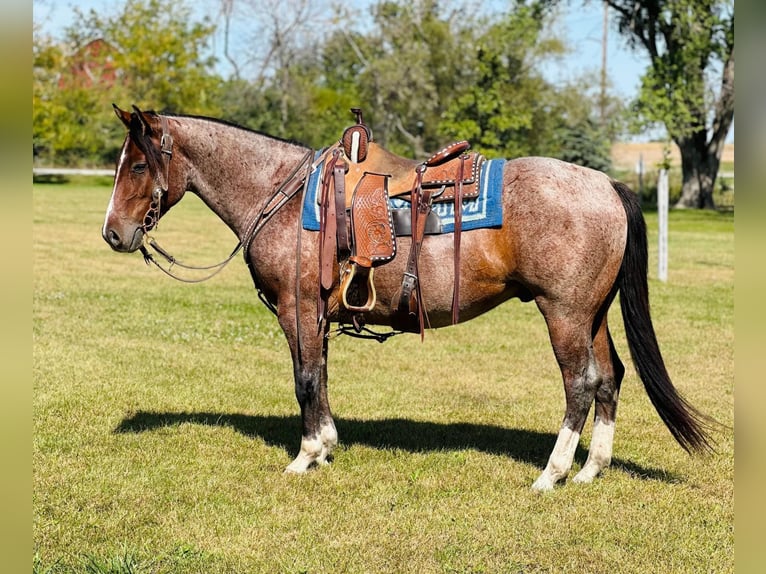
(356,220)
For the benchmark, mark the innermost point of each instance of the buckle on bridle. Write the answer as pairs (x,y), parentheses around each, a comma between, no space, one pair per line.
(166,144)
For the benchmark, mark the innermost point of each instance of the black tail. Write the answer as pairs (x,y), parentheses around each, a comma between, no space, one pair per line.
(687,425)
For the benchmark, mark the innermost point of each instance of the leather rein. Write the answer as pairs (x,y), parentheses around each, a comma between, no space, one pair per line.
(286,191)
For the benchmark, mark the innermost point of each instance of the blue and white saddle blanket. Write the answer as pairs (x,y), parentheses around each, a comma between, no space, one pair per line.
(486,210)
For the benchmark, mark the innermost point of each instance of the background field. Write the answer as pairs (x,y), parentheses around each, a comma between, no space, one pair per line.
(626,154)
(625,157)
(164,415)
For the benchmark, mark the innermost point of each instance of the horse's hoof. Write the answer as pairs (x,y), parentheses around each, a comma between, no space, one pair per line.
(543,484)
(583,477)
(298,467)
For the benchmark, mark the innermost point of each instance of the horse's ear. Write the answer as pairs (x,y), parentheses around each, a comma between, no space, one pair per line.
(146,129)
(123,115)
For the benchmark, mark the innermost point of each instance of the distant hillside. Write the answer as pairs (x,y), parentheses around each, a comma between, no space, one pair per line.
(626,155)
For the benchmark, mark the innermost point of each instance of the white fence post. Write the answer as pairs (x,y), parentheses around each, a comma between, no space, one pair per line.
(662,213)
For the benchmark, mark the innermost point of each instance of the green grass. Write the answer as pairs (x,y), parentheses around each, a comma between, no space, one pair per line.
(164,415)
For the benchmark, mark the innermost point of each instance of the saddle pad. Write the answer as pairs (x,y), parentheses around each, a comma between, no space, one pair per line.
(486,210)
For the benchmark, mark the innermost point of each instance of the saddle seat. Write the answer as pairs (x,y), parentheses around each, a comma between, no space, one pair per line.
(401,173)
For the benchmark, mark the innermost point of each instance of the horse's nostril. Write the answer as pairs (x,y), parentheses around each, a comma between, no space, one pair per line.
(112,237)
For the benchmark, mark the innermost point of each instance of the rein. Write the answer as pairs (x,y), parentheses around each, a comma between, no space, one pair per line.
(284,193)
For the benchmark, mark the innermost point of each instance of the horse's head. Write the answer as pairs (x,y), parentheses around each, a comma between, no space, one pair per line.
(143,191)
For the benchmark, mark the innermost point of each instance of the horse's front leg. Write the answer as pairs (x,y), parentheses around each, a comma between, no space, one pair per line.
(309,353)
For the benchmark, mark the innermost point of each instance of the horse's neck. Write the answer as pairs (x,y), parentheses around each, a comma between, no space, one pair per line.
(233,170)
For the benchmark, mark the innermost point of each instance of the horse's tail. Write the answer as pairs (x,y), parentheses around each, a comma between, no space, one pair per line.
(687,425)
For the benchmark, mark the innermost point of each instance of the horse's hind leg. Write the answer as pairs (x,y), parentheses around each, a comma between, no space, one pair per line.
(607,395)
(309,352)
(573,346)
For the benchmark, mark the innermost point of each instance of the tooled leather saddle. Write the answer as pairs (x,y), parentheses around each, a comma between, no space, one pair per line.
(358,226)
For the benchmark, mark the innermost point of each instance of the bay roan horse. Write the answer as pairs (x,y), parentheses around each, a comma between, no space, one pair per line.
(570,239)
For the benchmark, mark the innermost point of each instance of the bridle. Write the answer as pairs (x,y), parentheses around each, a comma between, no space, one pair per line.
(152,217)
(286,191)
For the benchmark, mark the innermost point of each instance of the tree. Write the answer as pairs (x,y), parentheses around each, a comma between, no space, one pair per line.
(413,63)
(160,51)
(430,71)
(585,144)
(47,59)
(506,108)
(689,86)
(275,64)
(150,53)
(586,120)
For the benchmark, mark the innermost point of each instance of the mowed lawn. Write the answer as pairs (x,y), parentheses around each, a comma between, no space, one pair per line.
(164,415)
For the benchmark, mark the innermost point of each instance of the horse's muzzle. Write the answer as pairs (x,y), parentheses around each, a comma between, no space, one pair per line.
(124,243)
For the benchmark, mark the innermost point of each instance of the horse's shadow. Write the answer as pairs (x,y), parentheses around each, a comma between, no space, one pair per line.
(527,446)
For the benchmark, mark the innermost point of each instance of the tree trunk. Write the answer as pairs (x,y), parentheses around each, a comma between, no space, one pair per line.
(700,159)
(699,164)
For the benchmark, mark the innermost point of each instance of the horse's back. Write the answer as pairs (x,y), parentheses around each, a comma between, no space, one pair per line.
(560,188)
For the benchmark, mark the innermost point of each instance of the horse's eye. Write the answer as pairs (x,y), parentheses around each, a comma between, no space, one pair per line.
(139,168)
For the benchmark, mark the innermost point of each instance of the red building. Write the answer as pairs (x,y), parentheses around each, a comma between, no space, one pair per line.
(92,65)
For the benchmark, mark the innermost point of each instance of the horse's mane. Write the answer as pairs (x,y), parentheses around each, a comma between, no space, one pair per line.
(153,154)
(235,125)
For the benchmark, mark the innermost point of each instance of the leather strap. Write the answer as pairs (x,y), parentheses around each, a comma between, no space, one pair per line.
(327,238)
(339,175)
(411,298)
(458,226)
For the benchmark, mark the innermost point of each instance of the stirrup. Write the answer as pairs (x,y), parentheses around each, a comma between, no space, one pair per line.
(344,285)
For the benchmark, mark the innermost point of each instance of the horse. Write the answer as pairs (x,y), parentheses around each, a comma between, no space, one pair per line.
(571,238)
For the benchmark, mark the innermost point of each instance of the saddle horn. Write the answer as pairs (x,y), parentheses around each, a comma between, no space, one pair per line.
(357,138)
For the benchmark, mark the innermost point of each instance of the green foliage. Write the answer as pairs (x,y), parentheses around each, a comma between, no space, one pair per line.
(424,73)
(153,55)
(689,85)
(503,107)
(160,52)
(686,39)
(414,64)
(585,144)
